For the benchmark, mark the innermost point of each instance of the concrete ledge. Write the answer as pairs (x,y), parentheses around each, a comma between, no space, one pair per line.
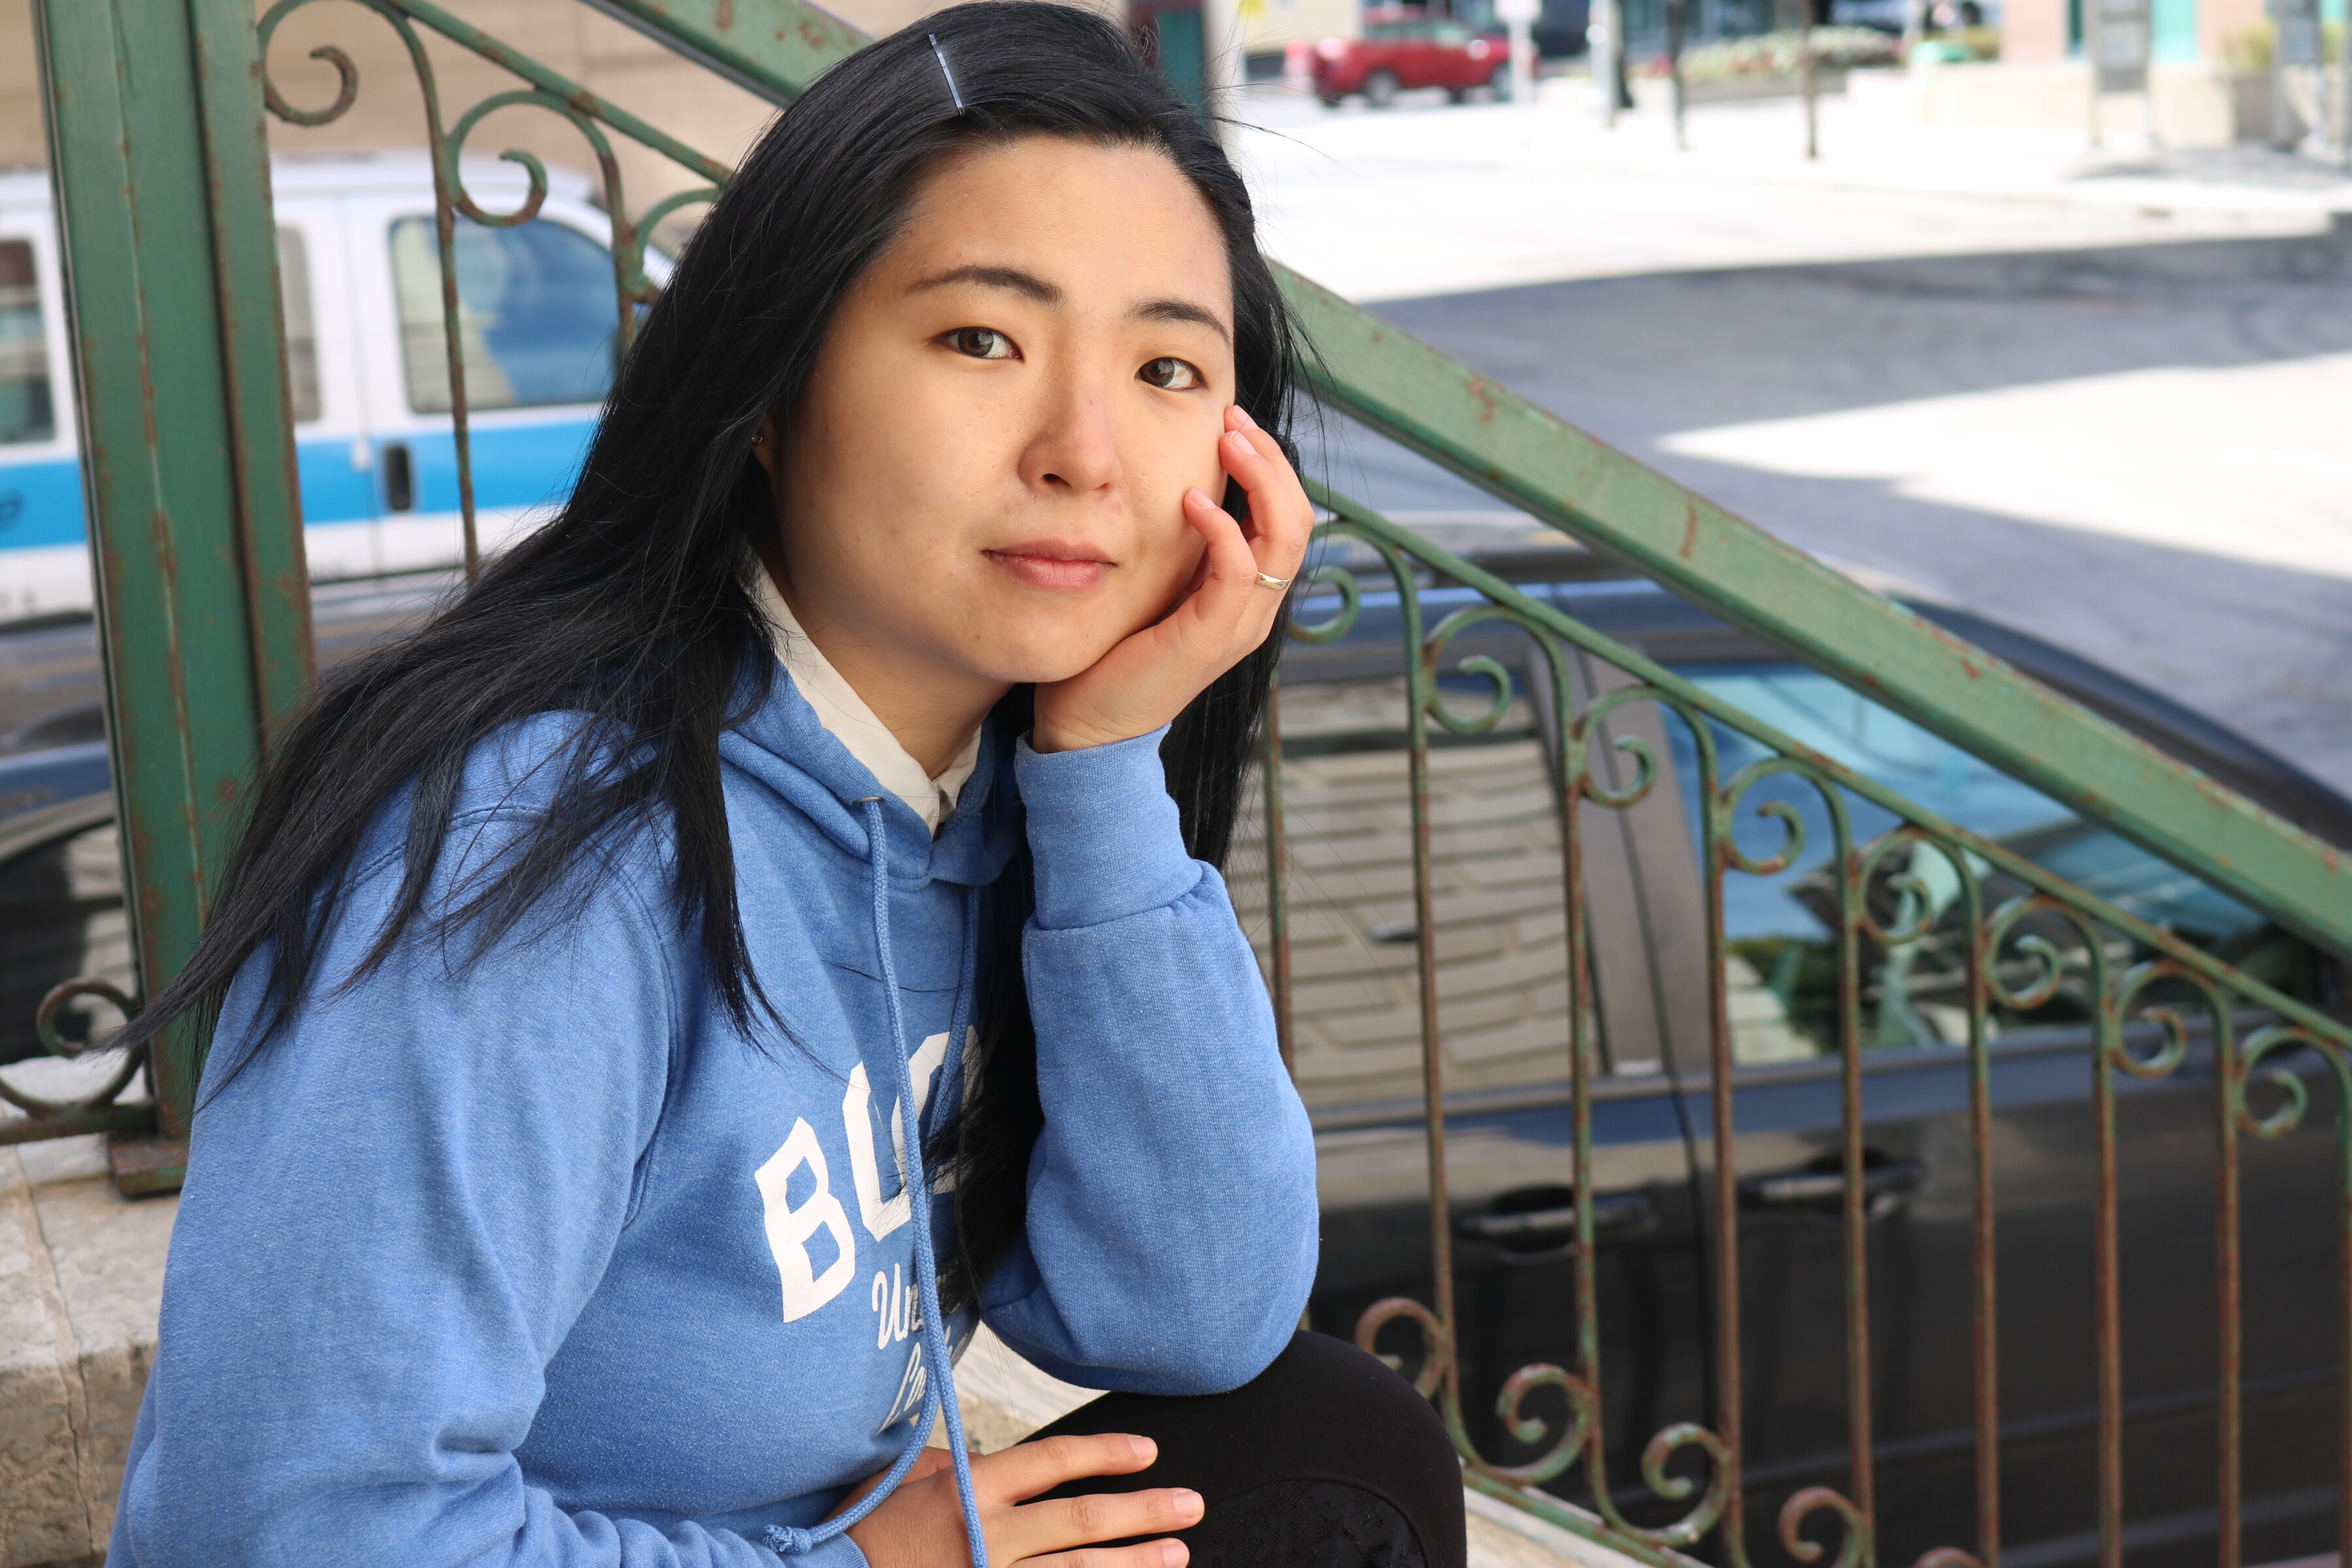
(1003,1399)
(1656,94)
(2193,104)
(81,1279)
(81,1282)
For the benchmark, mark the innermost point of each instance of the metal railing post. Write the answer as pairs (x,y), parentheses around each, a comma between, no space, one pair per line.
(188,455)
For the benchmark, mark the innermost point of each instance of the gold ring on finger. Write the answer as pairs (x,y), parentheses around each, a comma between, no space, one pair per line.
(1277,584)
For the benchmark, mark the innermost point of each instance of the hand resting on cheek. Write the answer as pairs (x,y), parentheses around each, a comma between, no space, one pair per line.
(1146,679)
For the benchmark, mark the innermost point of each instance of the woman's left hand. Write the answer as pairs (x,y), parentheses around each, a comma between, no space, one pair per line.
(1146,679)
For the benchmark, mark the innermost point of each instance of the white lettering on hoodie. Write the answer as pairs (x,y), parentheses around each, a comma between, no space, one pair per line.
(881,1218)
(790,1228)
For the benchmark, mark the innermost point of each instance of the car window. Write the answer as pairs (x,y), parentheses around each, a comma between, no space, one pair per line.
(1502,965)
(536,315)
(26,412)
(1451,34)
(301,324)
(60,916)
(1782,964)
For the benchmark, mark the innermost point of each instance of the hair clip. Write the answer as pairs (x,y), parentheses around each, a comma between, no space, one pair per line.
(940,55)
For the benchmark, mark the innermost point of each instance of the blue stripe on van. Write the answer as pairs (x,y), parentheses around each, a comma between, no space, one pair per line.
(520,465)
(332,490)
(514,466)
(40,503)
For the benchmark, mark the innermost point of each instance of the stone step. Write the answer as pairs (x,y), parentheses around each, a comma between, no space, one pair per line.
(1004,1398)
(82,1281)
(81,1277)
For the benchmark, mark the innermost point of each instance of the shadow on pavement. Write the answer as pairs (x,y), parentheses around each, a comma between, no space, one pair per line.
(1635,360)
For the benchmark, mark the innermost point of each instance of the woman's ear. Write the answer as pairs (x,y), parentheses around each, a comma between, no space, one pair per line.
(763,446)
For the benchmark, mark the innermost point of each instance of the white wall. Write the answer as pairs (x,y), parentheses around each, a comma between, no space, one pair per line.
(1267,25)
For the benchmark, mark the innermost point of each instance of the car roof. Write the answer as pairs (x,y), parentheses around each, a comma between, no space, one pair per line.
(345,172)
(1654,623)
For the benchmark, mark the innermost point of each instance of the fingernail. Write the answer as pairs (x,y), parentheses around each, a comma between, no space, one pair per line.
(1196,493)
(1188,1505)
(1172,1554)
(1143,1448)
(1243,414)
(1241,442)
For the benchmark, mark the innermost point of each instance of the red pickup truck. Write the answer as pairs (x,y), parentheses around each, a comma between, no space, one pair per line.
(1404,47)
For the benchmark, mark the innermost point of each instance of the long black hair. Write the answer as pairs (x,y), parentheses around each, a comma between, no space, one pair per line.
(632,605)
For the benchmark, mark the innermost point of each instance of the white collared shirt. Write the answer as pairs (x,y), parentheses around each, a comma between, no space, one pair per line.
(849,719)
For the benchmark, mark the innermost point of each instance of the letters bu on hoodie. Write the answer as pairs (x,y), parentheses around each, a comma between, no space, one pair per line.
(543,1262)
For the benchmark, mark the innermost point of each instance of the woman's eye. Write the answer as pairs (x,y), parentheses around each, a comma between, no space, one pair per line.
(1171,376)
(980,342)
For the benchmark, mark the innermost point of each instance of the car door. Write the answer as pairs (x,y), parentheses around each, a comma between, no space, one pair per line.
(1419,62)
(61,916)
(1375,51)
(538,327)
(333,459)
(1503,1013)
(1451,64)
(44,563)
(1919,1159)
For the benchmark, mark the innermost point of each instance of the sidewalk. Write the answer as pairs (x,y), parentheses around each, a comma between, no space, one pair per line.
(1426,199)
(2099,394)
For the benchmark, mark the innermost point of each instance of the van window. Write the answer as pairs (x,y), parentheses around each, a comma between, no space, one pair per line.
(1502,964)
(1781,964)
(301,325)
(25,412)
(536,315)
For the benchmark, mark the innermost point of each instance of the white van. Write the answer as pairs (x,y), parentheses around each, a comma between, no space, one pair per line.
(364,348)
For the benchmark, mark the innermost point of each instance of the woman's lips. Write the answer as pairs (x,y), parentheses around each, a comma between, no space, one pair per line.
(1046,563)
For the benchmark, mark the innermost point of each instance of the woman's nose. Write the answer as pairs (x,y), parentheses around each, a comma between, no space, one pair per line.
(1074,450)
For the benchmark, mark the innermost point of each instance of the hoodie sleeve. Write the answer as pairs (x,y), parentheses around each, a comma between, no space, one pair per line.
(392,1214)
(1172,1223)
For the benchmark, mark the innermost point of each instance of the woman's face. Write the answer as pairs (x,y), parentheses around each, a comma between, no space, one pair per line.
(982,484)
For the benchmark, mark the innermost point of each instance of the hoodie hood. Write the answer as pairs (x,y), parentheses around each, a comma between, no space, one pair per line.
(781,743)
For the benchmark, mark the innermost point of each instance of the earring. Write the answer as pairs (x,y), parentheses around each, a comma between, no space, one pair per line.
(759,438)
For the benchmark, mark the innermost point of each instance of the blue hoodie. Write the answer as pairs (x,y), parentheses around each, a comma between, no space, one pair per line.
(541,1261)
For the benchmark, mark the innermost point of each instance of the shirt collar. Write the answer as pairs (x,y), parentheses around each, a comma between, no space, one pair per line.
(846,717)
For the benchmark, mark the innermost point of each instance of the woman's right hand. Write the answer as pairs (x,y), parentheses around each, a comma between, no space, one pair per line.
(920,1525)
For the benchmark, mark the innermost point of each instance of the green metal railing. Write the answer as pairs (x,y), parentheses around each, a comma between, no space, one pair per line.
(163,192)
(2014,959)
(162,177)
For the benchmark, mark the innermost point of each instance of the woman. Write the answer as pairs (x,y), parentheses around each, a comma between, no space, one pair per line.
(823,809)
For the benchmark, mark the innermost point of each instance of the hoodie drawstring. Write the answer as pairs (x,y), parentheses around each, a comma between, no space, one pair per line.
(938,1370)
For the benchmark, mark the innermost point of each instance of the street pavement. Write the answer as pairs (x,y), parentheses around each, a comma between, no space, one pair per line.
(2103,396)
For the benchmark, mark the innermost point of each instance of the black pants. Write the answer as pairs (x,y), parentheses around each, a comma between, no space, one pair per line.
(1327,1460)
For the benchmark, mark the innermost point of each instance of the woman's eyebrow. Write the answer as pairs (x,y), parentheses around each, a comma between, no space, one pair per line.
(1180,310)
(1027,284)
